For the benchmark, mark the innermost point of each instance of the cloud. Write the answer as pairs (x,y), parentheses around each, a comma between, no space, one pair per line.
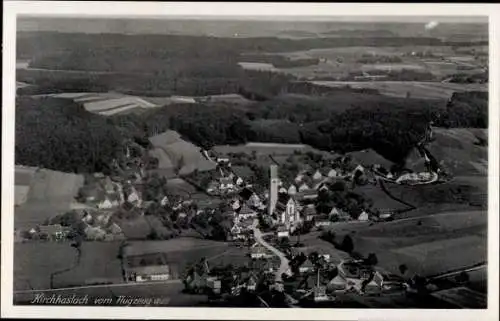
(431,25)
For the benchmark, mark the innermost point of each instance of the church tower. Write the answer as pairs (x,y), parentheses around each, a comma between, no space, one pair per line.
(273,188)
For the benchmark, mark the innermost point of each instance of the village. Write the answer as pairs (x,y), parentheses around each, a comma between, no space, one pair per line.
(266,221)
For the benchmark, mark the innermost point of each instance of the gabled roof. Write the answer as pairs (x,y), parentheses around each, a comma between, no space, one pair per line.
(245,209)
(309,210)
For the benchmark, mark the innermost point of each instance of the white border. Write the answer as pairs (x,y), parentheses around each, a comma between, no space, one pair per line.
(272,11)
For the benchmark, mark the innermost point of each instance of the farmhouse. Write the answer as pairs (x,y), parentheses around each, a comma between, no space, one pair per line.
(53,232)
(149,273)
(258,251)
(307,266)
(245,212)
(282,232)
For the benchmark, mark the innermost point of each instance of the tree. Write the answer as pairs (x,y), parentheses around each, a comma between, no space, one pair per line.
(403,268)
(347,244)
(463,277)
(372,259)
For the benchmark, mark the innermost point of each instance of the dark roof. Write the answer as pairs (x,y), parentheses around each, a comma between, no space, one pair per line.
(309,210)
(245,193)
(242,171)
(283,198)
(245,209)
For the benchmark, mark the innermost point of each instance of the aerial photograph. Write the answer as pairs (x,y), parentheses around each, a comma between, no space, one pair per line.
(261,163)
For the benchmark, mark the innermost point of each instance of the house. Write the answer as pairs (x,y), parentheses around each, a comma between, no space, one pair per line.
(164,201)
(282,232)
(322,223)
(363,216)
(332,173)
(309,212)
(246,212)
(235,205)
(304,187)
(238,181)
(317,176)
(108,185)
(251,283)
(132,195)
(94,233)
(306,267)
(226,184)
(299,178)
(283,190)
(292,190)
(87,218)
(254,201)
(258,251)
(307,195)
(114,229)
(53,232)
(212,187)
(109,202)
(150,273)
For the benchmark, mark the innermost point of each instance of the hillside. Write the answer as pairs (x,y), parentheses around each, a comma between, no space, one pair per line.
(458,150)
(178,155)
(61,135)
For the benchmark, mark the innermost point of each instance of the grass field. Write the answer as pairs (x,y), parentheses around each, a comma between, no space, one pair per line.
(50,193)
(416,89)
(35,262)
(437,244)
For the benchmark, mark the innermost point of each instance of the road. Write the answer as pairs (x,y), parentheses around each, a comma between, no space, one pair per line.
(284,266)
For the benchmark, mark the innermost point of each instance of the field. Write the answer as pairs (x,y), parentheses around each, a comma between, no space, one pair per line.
(48,193)
(427,245)
(182,154)
(338,62)
(107,104)
(457,151)
(183,252)
(35,262)
(416,89)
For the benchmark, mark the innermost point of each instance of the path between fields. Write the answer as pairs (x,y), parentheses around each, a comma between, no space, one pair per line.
(284,267)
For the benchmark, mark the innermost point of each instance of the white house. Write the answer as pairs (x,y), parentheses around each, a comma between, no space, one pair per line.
(304,187)
(239,181)
(246,212)
(282,232)
(254,200)
(133,196)
(299,178)
(292,190)
(164,201)
(363,216)
(105,204)
(359,168)
(317,176)
(226,183)
(283,190)
(332,173)
(236,204)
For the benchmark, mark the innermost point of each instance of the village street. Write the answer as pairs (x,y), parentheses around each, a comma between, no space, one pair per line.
(284,267)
